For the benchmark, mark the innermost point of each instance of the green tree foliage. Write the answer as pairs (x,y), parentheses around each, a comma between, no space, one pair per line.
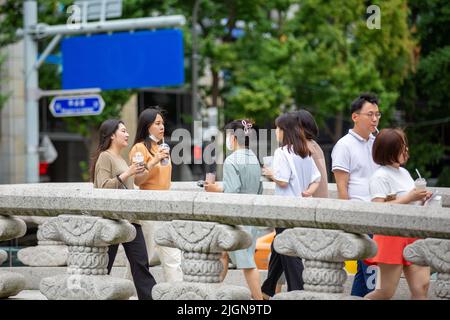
(312,54)
(319,57)
(9,16)
(54,12)
(3,97)
(425,95)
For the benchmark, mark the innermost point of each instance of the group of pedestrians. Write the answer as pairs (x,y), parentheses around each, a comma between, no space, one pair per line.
(366,166)
(146,170)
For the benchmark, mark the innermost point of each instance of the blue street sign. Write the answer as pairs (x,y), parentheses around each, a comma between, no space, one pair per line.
(123,60)
(73,106)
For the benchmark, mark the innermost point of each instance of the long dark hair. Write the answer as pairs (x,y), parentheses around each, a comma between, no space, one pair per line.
(146,119)
(107,129)
(307,122)
(293,134)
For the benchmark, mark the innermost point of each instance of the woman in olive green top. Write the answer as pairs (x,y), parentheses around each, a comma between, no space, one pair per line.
(109,170)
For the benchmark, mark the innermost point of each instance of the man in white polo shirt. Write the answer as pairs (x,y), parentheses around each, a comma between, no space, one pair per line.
(353,165)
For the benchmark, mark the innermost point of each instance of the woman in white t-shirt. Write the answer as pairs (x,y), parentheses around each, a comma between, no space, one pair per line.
(392,183)
(295,175)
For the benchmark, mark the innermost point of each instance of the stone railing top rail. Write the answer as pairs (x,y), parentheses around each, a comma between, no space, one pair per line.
(235,209)
(269,188)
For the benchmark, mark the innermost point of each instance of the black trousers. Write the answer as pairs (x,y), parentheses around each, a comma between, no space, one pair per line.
(279,263)
(136,252)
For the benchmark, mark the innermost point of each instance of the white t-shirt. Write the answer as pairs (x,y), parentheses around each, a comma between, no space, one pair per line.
(388,180)
(298,172)
(353,154)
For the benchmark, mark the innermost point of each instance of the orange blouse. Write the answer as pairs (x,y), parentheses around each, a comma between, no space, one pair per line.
(160,176)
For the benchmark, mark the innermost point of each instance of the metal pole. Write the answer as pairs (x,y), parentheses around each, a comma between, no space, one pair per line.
(195,59)
(30,15)
(197,126)
(48,50)
(43,30)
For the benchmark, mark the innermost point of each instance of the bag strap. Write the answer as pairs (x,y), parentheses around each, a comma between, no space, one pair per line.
(121,182)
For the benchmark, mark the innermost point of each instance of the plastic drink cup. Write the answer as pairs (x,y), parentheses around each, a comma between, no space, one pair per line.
(138,157)
(165,161)
(267,161)
(210,177)
(420,184)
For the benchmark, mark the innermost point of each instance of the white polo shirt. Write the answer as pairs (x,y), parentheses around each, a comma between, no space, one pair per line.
(353,154)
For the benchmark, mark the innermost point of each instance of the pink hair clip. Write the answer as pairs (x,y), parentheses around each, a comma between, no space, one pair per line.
(247,126)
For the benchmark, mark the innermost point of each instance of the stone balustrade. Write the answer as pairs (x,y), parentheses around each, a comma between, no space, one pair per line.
(325,232)
(10,283)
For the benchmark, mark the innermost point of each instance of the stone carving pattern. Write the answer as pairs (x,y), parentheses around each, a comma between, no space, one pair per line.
(82,287)
(323,253)
(87,230)
(11,283)
(201,267)
(47,253)
(324,245)
(11,228)
(88,239)
(435,253)
(321,276)
(198,291)
(202,244)
(203,237)
(44,241)
(3,256)
(87,260)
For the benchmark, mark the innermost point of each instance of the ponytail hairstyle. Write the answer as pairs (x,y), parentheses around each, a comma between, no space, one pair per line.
(146,119)
(293,134)
(242,129)
(107,129)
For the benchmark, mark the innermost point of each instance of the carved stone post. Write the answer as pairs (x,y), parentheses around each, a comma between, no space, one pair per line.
(3,256)
(11,283)
(323,253)
(202,244)
(88,239)
(434,253)
(47,253)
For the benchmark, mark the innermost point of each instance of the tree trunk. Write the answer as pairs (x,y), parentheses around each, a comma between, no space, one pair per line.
(215,92)
(338,127)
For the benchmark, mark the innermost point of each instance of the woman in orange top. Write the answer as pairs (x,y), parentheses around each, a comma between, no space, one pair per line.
(157,176)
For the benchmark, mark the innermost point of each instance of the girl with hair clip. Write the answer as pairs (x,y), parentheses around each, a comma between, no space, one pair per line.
(241,174)
(109,170)
(393,184)
(156,176)
(295,175)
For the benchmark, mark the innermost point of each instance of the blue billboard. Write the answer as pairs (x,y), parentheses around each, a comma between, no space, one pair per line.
(123,60)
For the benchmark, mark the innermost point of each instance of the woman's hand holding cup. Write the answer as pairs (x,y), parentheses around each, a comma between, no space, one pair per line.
(267,172)
(135,168)
(417,194)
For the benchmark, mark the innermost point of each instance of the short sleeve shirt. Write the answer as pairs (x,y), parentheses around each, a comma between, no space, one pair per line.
(242,173)
(353,154)
(298,172)
(390,181)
